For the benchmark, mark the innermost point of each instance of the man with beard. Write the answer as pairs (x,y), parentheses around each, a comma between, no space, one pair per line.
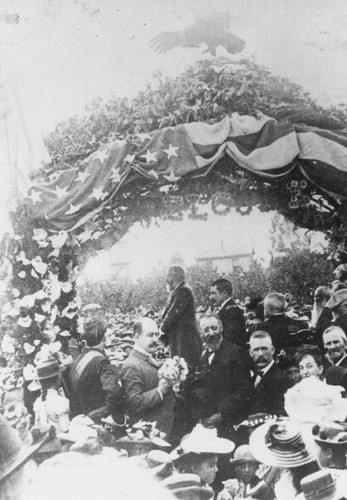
(179,327)
(220,390)
(147,397)
(270,383)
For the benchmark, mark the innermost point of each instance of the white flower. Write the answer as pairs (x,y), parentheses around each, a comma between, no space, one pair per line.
(21,257)
(28,301)
(58,240)
(24,322)
(39,265)
(15,293)
(29,372)
(28,348)
(66,287)
(22,274)
(39,234)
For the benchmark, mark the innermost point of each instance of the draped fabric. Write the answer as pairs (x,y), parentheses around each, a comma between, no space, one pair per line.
(68,198)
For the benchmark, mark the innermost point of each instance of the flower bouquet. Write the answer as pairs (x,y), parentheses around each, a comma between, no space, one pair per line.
(174,371)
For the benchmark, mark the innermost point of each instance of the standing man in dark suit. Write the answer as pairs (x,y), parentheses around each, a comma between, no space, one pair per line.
(179,327)
(231,315)
(147,397)
(270,383)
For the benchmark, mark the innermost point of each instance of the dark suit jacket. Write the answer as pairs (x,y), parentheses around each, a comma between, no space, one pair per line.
(180,327)
(140,381)
(223,387)
(269,394)
(281,328)
(96,387)
(336,375)
(234,328)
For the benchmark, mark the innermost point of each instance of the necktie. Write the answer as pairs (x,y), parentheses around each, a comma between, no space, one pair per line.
(260,373)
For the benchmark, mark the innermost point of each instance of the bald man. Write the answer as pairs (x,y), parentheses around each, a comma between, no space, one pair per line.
(147,397)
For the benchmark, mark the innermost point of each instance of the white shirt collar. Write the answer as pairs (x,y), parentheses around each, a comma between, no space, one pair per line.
(221,307)
(267,367)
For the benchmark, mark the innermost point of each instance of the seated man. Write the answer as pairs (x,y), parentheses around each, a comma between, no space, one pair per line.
(270,383)
(335,343)
(147,397)
(277,324)
(220,391)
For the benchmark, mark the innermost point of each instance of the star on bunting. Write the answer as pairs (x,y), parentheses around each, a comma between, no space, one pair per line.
(171,151)
(82,176)
(60,192)
(149,156)
(73,209)
(172,177)
(102,155)
(129,158)
(98,194)
(35,197)
(115,176)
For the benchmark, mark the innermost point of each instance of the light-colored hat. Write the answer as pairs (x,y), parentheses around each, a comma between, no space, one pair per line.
(187,486)
(243,455)
(337,299)
(282,443)
(202,440)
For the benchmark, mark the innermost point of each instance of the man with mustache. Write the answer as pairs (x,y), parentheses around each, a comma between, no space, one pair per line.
(270,383)
(147,397)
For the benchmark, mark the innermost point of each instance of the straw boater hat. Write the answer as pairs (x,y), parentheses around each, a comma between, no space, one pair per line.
(202,440)
(282,443)
(187,486)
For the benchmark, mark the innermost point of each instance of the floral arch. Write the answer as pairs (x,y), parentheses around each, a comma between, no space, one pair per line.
(158,157)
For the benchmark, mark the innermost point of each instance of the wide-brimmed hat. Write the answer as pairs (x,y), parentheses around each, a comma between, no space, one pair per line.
(283,443)
(243,454)
(337,299)
(13,454)
(202,440)
(330,433)
(187,486)
(319,486)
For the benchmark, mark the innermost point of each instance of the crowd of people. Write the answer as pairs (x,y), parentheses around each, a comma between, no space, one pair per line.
(221,400)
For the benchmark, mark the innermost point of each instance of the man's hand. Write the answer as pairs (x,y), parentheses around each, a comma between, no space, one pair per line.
(164,386)
(212,421)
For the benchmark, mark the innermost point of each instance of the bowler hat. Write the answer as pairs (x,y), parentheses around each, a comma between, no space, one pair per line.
(337,299)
